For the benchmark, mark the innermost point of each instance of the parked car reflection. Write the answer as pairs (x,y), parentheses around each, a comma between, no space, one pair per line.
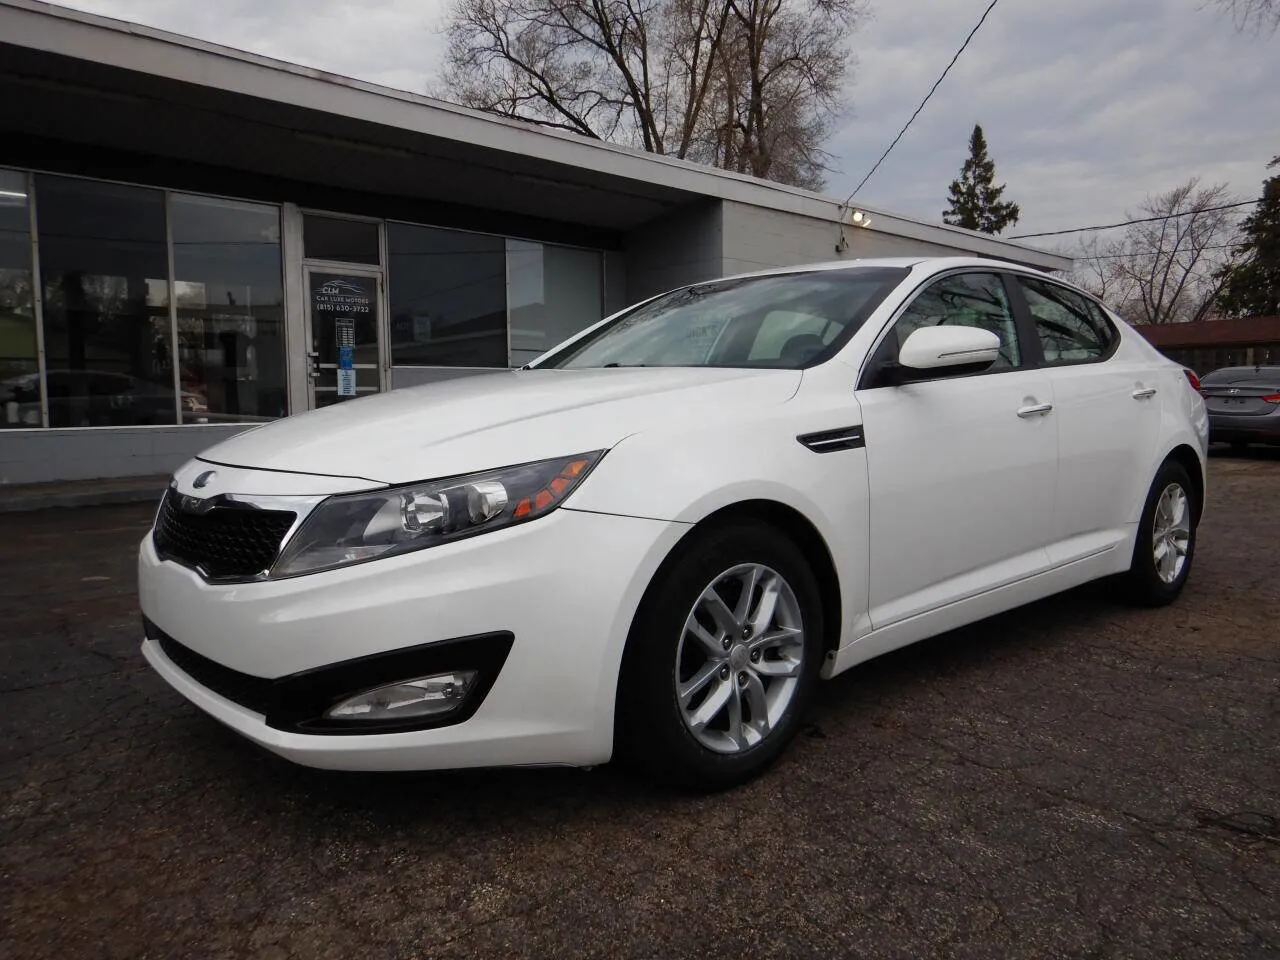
(94,398)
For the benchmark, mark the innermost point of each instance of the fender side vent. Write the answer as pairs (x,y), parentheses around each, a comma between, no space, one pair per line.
(829,441)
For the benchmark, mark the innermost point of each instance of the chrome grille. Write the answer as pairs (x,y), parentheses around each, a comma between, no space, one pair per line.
(225,542)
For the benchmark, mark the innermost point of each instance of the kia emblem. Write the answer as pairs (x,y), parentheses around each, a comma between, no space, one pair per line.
(204,479)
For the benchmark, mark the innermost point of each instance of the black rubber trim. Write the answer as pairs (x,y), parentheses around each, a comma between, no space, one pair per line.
(829,441)
(297,702)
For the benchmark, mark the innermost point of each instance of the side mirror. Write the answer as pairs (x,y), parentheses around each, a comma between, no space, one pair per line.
(947,351)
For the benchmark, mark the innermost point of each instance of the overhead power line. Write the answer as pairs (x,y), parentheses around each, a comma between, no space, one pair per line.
(1127,223)
(937,83)
(1125,256)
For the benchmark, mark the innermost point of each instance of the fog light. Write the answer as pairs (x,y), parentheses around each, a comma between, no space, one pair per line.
(424,697)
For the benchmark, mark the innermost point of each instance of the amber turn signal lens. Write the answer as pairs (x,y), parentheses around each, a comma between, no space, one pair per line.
(546,498)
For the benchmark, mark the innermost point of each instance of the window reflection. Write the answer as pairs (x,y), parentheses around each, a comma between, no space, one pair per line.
(104,266)
(19,377)
(447,295)
(230,306)
(1071,329)
(554,293)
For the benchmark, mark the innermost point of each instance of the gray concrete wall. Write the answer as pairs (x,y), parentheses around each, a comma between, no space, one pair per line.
(38,456)
(756,238)
(682,247)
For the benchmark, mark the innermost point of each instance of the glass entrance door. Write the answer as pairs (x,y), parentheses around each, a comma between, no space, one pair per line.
(345,317)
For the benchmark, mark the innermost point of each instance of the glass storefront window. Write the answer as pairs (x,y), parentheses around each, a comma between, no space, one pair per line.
(447,297)
(230,306)
(104,266)
(110,309)
(554,293)
(19,368)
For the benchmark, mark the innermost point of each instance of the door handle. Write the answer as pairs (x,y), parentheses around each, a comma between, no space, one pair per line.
(1034,409)
(1143,392)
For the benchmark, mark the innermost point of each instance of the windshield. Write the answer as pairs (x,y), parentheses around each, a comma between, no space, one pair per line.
(786,321)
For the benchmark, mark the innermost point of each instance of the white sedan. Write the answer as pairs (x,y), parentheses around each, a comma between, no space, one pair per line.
(654,541)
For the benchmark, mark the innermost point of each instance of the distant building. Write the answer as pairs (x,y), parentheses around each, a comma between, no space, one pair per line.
(1210,344)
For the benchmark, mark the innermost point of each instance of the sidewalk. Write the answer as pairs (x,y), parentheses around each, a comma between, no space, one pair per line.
(81,493)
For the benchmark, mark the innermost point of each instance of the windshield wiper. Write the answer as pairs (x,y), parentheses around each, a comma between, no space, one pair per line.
(616,364)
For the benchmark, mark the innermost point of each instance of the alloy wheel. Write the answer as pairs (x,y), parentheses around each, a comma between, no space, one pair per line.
(740,658)
(1171,533)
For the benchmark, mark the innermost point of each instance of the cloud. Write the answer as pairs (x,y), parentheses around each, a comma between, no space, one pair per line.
(1088,106)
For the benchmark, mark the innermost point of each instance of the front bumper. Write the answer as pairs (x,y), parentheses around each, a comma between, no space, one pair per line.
(1224,428)
(563,589)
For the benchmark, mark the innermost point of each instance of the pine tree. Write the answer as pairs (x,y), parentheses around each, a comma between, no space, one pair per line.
(1252,279)
(975,199)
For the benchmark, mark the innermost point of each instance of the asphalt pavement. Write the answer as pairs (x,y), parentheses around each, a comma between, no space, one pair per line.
(1075,779)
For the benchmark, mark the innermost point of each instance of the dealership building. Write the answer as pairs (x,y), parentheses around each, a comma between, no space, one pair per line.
(195,239)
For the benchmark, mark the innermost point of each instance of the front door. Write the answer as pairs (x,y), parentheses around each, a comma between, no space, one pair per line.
(344,317)
(962,471)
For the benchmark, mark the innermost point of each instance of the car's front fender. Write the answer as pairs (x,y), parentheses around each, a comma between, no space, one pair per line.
(689,472)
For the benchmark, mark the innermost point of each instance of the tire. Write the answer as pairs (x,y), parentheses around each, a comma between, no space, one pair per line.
(655,733)
(1154,583)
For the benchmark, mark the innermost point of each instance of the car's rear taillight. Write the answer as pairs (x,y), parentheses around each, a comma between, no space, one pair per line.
(1193,380)
(1272,398)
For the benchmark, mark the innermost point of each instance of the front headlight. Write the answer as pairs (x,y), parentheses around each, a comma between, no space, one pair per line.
(365,526)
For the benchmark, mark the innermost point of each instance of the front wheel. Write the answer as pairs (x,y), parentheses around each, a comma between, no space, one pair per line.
(722,660)
(1166,540)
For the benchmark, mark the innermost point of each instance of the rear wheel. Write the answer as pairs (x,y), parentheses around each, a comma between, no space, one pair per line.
(722,659)
(1166,540)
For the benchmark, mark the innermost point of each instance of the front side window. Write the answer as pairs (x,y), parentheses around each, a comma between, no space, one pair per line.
(965,300)
(785,321)
(1071,328)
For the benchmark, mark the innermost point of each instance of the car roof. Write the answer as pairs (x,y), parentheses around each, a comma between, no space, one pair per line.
(925,265)
(932,264)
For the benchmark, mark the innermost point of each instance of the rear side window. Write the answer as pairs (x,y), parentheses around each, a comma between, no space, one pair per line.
(1071,328)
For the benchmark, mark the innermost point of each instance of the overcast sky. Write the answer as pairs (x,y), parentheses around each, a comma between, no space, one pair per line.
(1088,105)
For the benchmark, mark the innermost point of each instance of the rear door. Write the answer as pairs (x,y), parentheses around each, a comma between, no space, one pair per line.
(1107,402)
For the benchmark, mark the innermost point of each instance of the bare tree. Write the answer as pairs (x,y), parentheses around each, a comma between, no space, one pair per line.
(1253,16)
(1167,268)
(748,85)
(1095,269)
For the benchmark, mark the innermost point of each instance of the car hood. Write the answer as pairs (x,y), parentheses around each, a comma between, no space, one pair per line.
(491,420)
